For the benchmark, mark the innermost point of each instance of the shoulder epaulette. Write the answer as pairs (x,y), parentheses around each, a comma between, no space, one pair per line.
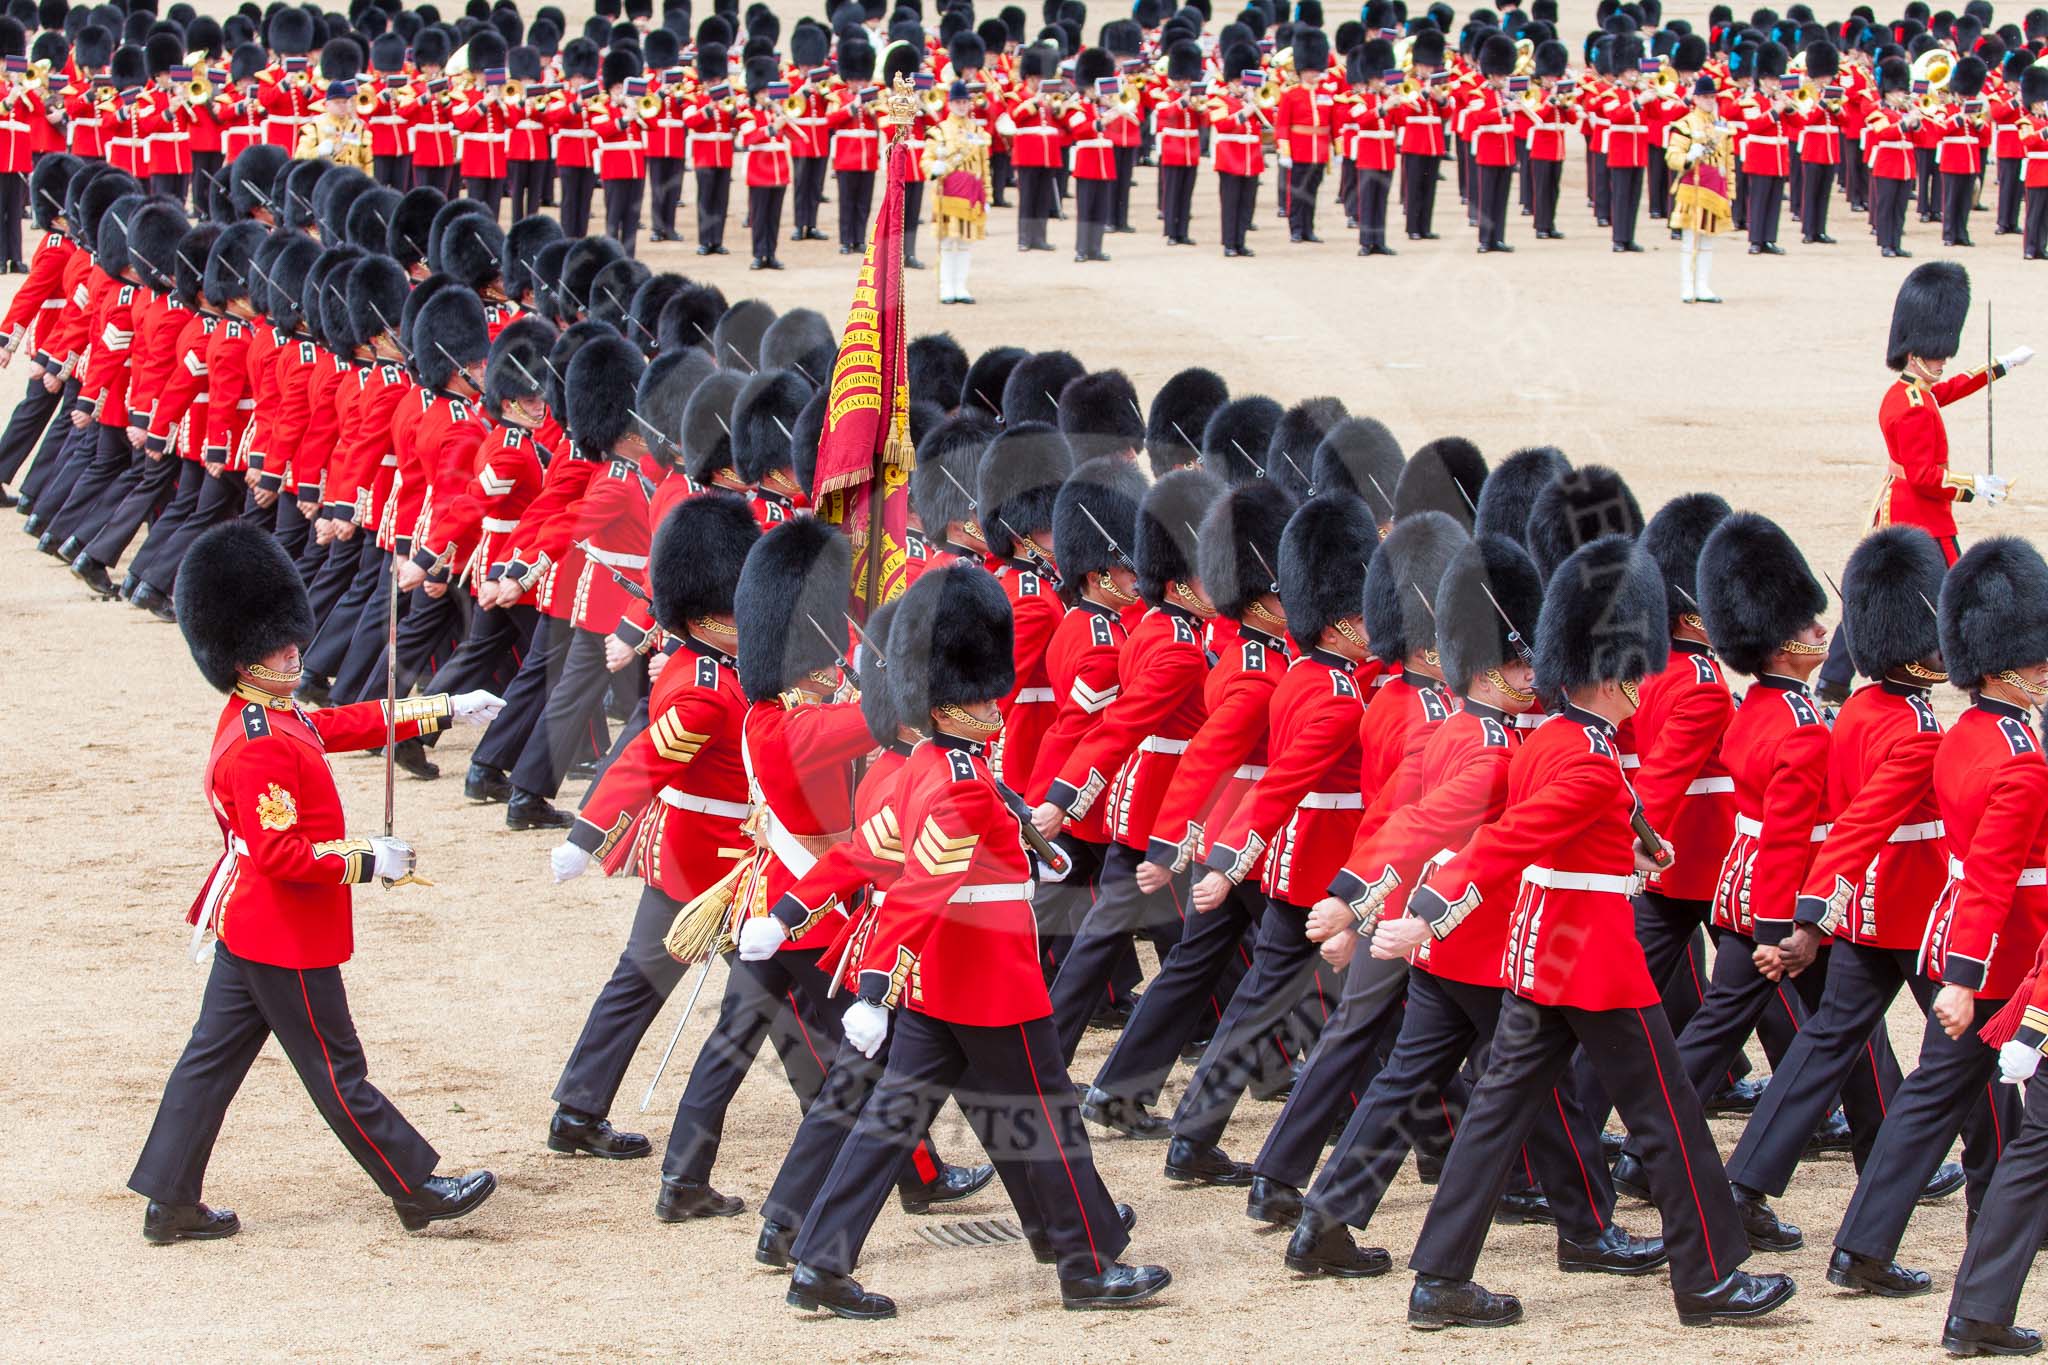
(1183,629)
(1492,734)
(308,353)
(1028,584)
(1099,631)
(255,722)
(2018,738)
(1342,683)
(707,671)
(963,766)
(1804,712)
(391,374)
(1703,669)
(619,469)
(1434,707)
(1253,657)
(1924,718)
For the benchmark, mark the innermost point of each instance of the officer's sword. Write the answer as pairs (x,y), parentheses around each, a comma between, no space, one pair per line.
(411,878)
(1990,400)
(703,975)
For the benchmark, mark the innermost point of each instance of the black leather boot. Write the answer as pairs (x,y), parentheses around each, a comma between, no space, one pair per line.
(167,1223)
(1435,1303)
(441,1197)
(485,783)
(1321,1246)
(1740,1296)
(1272,1201)
(569,1131)
(1767,1231)
(772,1246)
(1886,1279)
(839,1295)
(681,1200)
(1968,1337)
(1615,1252)
(1128,1117)
(530,810)
(411,756)
(951,1183)
(1120,1286)
(1204,1163)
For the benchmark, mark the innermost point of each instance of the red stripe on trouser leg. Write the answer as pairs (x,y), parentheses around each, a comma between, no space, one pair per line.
(803,1032)
(921,1158)
(1052,1133)
(1876,1081)
(1585,1178)
(335,1081)
(1997,1128)
(1706,1239)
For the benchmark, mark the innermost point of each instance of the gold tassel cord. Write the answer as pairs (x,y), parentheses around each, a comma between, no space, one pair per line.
(699,929)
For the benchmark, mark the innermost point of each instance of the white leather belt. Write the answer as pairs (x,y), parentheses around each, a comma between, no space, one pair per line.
(2029,876)
(1235,137)
(1032,695)
(1959,141)
(1702,786)
(1180,132)
(711,137)
(1913,834)
(501,524)
(1630,760)
(1004,891)
(484,137)
(1744,825)
(1249,772)
(616,561)
(1551,880)
(1333,801)
(1754,140)
(1093,142)
(682,800)
(1153,744)
(239,845)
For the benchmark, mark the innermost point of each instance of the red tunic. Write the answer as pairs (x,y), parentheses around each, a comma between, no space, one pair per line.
(798,754)
(1776,749)
(1081,668)
(280,892)
(1028,710)
(1687,795)
(1993,789)
(1226,756)
(1919,486)
(1877,874)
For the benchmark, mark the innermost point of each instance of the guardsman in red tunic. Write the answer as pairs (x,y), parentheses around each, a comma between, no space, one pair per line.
(713,121)
(808,144)
(1888,132)
(1019,480)
(1992,789)
(1493,141)
(1627,136)
(1919,487)
(1127,759)
(483,132)
(1236,126)
(2034,149)
(1368,135)
(279,898)
(1420,118)
(854,126)
(1768,124)
(1237,554)
(287,93)
(568,117)
(797,744)
(1177,120)
(765,131)
(1959,153)
(950,967)
(1489,600)
(1566,855)
(1094,519)
(1036,138)
(669,809)
(1817,141)
(1306,121)
(668,149)
(1876,876)
(857,874)
(35,316)
(1303,814)
(622,146)
(164,117)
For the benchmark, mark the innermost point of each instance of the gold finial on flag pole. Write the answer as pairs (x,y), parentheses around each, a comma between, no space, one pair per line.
(901,101)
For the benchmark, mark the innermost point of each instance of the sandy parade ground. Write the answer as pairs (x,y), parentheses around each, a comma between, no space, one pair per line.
(468,994)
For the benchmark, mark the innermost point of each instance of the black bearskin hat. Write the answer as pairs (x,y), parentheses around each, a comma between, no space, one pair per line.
(153,236)
(288,269)
(808,44)
(1324,551)
(663,402)
(937,366)
(1445,476)
(804,436)
(1184,61)
(856,59)
(228,273)
(1360,456)
(1166,534)
(1108,489)
(447,213)
(1031,392)
(333,196)
(1824,62)
(736,340)
(951,643)
(239,600)
(294,193)
(602,382)
(1967,80)
(193,251)
(1927,316)
(250,177)
(579,268)
(99,195)
(1414,555)
(687,319)
(643,310)
(547,279)
(162,52)
(368,224)
(289,32)
(340,60)
(46,186)
(1235,441)
(1497,55)
(707,423)
(411,223)
(694,569)
(1577,508)
(376,292)
(517,366)
(877,698)
(1311,48)
(761,420)
(1675,537)
(1603,619)
(1290,454)
(948,467)
(621,64)
(801,340)
(422,294)
(1553,58)
(1017,482)
(1511,489)
(450,331)
(314,296)
(472,250)
(1100,416)
(1238,553)
(2034,85)
(1755,590)
(611,294)
(1893,578)
(714,63)
(966,52)
(523,242)
(795,583)
(1470,635)
(983,387)
(1993,616)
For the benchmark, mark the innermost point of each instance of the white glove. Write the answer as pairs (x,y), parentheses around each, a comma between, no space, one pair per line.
(395,858)
(760,937)
(568,861)
(2015,358)
(475,708)
(2016,1062)
(1991,489)
(1696,152)
(865,1026)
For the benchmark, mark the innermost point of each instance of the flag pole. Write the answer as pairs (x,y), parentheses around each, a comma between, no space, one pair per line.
(902,106)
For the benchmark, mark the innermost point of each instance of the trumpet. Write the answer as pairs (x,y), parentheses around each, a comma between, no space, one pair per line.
(512,92)
(199,90)
(934,102)
(650,104)
(366,101)
(795,105)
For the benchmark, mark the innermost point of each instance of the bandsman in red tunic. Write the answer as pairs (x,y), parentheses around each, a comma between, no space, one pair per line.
(279,898)
(950,969)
